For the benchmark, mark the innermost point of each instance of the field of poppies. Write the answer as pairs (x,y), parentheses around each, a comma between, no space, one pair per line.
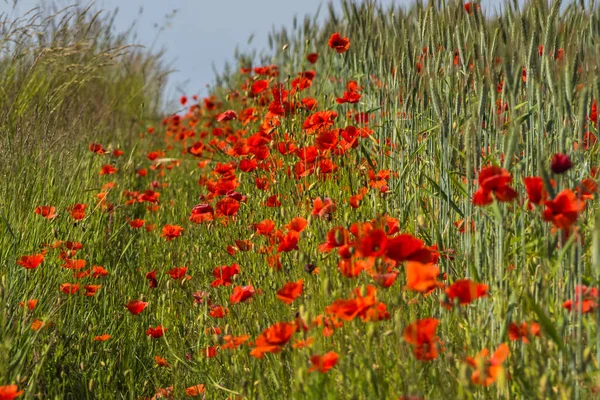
(395,203)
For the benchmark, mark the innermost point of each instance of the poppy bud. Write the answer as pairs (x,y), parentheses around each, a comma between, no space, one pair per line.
(560,163)
(309,268)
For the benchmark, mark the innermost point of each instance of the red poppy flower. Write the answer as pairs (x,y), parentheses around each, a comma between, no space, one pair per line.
(564,209)
(78,211)
(136,306)
(338,43)
(170,232)
(195,391)
(241,293)
(161,362)
(288,242)
(421,335)
(323,363)
(373,244)
(99,271)
(31,304)
(91,290)
(265,227)
(336,238)
(272,339)
(227,207)
(37,324)
(465,291)
(273,201)
(217,311)
(10,392)
(227,116)
(97,148)
(259,87)
(534,186)
(108,169)
(405,247)
(421,277)
(493,180)
(523,331)
(290,291)
(151,276)
(319,121)
(488,369)
(312,58)
(69,288)
(323,207)
(149,196)
(561,163)
(327,139)
(156,332)
(586,299)
(351,94)
(102,338)
(225,275)
(31,262)
(471,7)
(47,212)
(297,224)
(177,272)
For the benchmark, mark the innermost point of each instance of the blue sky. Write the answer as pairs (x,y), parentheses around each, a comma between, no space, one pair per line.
(200,32)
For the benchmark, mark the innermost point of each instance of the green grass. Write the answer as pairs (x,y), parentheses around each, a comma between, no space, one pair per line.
(81,83)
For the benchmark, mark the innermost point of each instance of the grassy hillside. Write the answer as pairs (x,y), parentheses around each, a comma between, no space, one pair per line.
(394,204)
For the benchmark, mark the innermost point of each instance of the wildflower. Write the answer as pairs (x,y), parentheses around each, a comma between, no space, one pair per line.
(561,163)
(319,121)
(195,391)
(563,210)
(90,290)
(170,232)
(297,224)
(108,169)
(69,288)
(78,211)
(47,212)
(102,338)
(177,272)
(225,275)
(10,392)
(136,223)
(37,324)
(523,331)
(323,207)
(421,277)
(98,271)
(161,362)
(586,299)
(136,306)
(338,43)
(312,58)
(156,332)
(151,277)
(421,335)
(465,291)
(493,180)
(31,262)
(534,187)
(241,293)
(323,363)
(227,116)
(290,291)
(488,369)
(31,304)
(272,339)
